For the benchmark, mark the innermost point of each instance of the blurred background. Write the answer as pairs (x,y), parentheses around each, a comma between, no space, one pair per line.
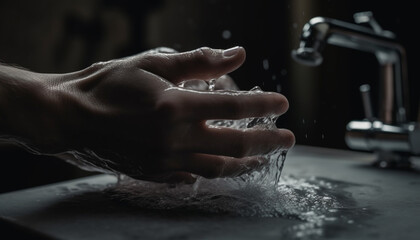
(64,36)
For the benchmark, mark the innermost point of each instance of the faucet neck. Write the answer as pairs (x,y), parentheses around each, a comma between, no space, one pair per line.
(320,31)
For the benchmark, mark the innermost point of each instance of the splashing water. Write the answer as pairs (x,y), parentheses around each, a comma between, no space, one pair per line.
(253,194)
(313,202)
(269,174)
(294,198)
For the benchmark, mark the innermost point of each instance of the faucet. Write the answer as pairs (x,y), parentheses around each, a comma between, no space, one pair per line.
(390,135)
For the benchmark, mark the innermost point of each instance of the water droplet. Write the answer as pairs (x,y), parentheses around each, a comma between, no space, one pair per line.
(278,88)
(226,34)
(212,84)
(266,64)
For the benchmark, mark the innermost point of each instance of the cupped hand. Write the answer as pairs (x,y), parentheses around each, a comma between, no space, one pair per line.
(137,116)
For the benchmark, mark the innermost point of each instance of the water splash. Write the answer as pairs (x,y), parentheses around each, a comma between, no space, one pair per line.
(269,174)
(253,194)
(316,205)
(313,203)
(266,64)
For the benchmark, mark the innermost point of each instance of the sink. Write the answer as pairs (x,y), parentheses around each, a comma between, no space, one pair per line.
(375,203)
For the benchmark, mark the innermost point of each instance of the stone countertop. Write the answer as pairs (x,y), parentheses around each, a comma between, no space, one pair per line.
(385,204)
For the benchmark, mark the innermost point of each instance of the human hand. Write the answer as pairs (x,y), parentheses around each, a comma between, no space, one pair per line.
(130,116)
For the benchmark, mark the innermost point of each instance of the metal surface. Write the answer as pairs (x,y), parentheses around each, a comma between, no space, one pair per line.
(79,209)
(390,134)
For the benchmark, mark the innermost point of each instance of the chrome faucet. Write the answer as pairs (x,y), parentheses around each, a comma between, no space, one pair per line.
(390,135)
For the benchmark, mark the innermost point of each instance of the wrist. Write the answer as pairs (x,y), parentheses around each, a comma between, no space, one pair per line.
(25,102)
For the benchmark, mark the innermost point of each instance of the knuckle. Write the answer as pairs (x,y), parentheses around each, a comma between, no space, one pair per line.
(149,58)
(203,54)
(98,66)
(205,50)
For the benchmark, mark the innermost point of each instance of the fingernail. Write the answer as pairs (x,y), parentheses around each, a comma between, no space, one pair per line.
(231,51)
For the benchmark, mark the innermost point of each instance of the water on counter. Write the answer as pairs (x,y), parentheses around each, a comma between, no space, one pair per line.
(318,206)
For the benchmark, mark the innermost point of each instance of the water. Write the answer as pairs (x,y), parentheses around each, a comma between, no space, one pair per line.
(226,34)
(314,203)
(269,174)
(295,198)
(318,206)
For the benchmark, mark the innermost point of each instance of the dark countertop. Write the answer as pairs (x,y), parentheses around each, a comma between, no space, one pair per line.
(377,203)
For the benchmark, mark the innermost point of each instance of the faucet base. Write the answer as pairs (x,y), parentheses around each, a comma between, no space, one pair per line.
(391,160)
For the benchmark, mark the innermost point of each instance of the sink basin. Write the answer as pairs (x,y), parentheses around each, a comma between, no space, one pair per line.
(375,203)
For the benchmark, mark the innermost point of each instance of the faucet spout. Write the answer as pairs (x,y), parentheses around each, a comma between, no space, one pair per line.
(320,32)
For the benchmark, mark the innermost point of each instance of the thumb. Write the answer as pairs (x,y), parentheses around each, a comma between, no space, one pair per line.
(203,63)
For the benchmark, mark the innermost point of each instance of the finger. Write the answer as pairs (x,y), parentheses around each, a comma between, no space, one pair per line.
(203,63)
(238,143)
(212,166)
(203,105)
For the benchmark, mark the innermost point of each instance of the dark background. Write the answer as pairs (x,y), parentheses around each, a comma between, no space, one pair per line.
(64,36)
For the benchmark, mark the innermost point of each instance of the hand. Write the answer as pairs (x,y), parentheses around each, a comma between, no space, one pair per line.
(129,115)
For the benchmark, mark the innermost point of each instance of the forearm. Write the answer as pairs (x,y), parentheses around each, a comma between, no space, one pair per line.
(23,98)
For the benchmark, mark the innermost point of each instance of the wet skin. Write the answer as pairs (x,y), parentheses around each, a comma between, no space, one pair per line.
(136,109)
